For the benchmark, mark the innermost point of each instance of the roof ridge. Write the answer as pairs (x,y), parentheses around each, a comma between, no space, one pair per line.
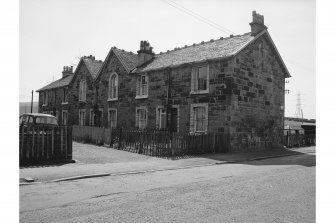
(202,43)
(122,50)
(96,61)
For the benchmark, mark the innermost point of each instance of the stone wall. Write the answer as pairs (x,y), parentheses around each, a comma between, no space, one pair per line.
(126,93)
(258,98)
(245,99)
(73,98)
(218,98)
(55,103)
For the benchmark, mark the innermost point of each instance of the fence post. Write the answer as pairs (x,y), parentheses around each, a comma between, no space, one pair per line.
(32,144)
(22,144)
(213,147)
(53,141)
(66,142)
(43,146)
(38,144)
(70,141)
(61,141)
(120,138)
(141,142)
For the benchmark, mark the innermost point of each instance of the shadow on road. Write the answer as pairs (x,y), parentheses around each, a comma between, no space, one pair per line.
(41,165)
(270,157)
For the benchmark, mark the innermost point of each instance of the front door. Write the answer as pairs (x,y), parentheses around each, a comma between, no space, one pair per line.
(174,119)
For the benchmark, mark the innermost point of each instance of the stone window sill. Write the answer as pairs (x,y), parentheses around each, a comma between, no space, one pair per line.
(65,103)
(141,96)
(200,92)
(44,105)
(112,99)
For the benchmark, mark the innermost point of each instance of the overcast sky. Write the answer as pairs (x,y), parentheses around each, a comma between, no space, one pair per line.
(55,33)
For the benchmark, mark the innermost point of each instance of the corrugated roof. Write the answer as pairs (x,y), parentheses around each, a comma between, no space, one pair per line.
(58,83)
(221,48)
(128,59)
(93,66)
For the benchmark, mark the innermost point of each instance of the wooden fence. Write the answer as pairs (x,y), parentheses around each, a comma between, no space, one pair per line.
(158,143)
(91,134)
(44,144)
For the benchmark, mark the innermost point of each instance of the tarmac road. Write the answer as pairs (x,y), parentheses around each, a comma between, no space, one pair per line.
(270,190)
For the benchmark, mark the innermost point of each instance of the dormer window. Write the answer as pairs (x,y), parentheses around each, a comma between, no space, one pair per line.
(82,91)
(200,80)
(142,86)
(113,87)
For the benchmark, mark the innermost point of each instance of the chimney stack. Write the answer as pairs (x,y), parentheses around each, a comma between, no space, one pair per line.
(257,24)
(67,71)
(89,57)
(145,53)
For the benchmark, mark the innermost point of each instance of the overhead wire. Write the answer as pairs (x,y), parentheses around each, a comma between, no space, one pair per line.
(197,16)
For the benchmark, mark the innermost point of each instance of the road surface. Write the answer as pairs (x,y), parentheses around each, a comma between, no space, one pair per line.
(270,190)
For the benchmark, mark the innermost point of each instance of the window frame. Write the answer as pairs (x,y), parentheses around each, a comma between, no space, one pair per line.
(178,116)
(159,116)
(139,86)
(193,126)
(91,123)
(82,90)
(137,118)
(84,120)
(45,98)
(65,98)
(112,97)
(109,117)
(194,79)
(67,117)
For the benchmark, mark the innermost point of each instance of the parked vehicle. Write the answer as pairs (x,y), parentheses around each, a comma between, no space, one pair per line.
(38,119)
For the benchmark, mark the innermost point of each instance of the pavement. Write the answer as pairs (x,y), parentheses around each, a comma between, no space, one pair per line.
(99,161)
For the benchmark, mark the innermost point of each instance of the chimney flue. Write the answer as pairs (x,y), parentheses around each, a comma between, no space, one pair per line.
(145,53)
(257,24)
(67,71)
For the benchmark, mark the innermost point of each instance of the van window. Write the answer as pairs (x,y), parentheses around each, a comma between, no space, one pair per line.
(46,120)
(30,119)
(41,120)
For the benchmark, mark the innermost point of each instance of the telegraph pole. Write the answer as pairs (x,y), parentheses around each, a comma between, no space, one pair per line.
(31,107)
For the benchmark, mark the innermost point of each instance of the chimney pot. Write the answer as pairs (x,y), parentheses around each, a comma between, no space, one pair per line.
(257,24)
(145,53)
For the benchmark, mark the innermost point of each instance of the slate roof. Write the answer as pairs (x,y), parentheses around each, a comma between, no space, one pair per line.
(93,66)
(128,59)
(58,83)
(220,48)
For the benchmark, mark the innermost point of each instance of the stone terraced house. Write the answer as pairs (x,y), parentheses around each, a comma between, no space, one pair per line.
(233,85)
